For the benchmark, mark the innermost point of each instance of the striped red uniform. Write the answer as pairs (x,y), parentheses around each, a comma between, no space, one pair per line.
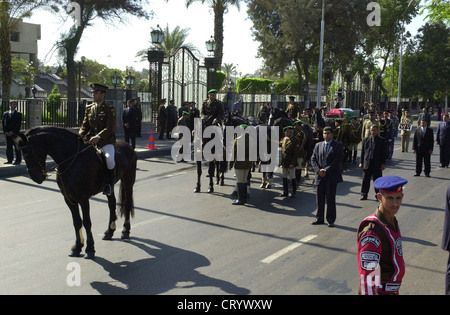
(380,256)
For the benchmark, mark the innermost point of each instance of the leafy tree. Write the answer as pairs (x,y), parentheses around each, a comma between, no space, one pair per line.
(439,10)
(426,63)
(54,102)
(11,13)
(106,10)
(289,33)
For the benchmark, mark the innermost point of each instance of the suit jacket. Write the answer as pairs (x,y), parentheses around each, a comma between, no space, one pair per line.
(423,143)
(12,123)
(446,234)
(331,163)
(129,115)
(443,133)
(379,154)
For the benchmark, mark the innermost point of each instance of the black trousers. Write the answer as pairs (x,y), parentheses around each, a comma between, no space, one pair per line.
(444,154)
(368,175)
(326,191)
(447,277)
(130,136)
(423,157)
(10,148)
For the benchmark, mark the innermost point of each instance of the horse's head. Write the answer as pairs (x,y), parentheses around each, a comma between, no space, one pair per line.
(34,157)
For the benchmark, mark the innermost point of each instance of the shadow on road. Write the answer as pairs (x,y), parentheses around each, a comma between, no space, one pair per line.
(165,268)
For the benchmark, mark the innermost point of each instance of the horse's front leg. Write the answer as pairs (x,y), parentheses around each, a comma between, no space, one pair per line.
(76,248)
(90,251)
(112,218)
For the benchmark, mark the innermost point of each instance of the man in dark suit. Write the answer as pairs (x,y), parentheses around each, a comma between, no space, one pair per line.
(443,140)
(129,120)
(326,162)
(446,239)
(373,160)
(423,147)
(11,122)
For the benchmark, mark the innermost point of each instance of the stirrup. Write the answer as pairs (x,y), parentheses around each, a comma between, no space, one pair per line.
(107,190)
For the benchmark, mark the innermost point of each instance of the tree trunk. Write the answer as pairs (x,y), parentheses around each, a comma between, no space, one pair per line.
(219,12)
(5,51)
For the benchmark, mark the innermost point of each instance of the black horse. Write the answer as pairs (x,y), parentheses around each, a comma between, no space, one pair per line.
(81,174)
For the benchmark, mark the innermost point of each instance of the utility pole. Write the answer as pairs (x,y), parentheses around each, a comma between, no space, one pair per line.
(319,81)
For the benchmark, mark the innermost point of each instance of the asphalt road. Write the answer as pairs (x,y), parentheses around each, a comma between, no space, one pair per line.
(199,244)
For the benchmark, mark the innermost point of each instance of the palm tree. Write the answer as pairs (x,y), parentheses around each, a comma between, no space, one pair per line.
(228,69)
(172,41)
(219,7)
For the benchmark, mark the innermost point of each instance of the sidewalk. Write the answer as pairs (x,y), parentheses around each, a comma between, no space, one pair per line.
(163,147)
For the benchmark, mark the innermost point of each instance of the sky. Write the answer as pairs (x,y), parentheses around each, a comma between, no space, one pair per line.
(116,45)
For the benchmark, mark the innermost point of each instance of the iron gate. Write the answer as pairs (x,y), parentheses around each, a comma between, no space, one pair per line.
(183,79)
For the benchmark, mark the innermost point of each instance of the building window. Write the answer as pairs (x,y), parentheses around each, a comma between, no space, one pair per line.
(15,36)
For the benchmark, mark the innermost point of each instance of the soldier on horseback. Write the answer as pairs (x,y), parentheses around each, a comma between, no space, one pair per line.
(98,128)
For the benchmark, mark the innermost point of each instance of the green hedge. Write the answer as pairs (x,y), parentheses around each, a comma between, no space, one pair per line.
(258,85)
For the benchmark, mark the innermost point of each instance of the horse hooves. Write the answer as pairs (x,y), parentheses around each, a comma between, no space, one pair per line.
(197,189)
(107,236)
(75,253)
(89,255)
(125,235)
(210,190)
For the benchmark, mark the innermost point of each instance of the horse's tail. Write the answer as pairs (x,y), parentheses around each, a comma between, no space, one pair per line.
(126,199)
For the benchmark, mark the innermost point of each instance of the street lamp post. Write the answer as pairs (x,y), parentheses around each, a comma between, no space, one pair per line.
(211,63)
(129,80)
(155,58)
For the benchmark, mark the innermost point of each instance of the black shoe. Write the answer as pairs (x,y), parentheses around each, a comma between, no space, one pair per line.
(364,197)
(331,225)
(16,163)
(8,162)
(416,174)
(427,175)
(317,222)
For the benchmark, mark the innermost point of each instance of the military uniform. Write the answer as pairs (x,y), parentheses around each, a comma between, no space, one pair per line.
(289,156)
(299,134)
(354,138)
(99,120)
(213,110)
(292,109)
(379,247)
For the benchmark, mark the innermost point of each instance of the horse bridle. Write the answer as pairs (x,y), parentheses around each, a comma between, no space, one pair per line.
(33,150)
(56,166)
